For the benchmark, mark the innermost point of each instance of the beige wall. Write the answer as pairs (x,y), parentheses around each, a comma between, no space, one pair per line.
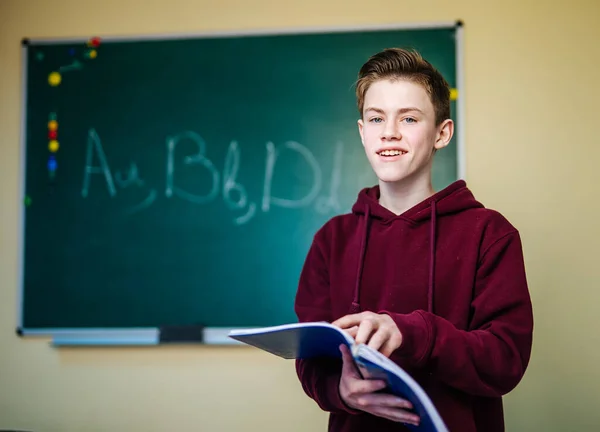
(532,152)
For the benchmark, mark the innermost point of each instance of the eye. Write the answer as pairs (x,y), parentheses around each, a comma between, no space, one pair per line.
(410,120)
(376,120)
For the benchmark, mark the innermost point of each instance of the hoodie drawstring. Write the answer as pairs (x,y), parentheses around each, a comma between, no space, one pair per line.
(355,306)
(432,238)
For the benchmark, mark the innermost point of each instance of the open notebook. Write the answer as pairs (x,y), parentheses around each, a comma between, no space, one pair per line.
(317,339)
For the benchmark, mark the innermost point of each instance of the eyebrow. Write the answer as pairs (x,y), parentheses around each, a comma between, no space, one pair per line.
(400,111)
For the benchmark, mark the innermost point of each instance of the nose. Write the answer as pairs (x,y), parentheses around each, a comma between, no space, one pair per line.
(391,132)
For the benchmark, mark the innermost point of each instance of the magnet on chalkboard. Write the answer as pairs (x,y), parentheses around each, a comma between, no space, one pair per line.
(91,54)
(54,79)
(94,42)
(453,94)
(53,146)
(52,165)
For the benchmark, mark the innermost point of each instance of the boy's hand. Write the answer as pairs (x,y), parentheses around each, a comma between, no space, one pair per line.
(379,331)
(360,394)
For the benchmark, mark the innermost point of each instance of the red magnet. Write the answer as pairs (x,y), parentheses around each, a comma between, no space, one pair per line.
(94,42)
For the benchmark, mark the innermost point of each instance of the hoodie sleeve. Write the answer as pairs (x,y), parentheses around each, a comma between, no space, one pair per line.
(490,358)
(320,377)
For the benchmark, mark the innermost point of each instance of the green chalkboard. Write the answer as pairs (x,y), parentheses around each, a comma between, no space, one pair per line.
(192,171)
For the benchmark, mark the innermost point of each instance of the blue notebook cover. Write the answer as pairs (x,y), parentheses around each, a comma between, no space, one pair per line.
(306,340)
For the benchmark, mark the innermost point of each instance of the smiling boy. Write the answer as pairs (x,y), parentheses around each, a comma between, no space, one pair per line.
(434,280)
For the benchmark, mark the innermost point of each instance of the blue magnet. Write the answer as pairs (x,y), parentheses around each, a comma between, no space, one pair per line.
(52,164)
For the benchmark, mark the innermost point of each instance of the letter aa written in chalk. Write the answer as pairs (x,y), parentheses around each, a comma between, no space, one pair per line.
(132,178)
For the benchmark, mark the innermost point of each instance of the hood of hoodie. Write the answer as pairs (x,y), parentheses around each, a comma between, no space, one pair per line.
(453,199)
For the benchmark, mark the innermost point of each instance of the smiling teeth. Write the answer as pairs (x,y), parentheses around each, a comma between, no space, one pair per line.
(391,152)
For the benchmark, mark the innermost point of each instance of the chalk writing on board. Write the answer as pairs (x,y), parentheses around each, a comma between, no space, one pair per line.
(272,154)
(95,146)
(232,166)
(226,184)
(331,203)
(132,178)
(198,158)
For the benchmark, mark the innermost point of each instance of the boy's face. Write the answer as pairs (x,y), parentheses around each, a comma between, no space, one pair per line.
(398,130)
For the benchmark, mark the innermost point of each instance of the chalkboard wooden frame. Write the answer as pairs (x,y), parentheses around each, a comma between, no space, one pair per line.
(195,334)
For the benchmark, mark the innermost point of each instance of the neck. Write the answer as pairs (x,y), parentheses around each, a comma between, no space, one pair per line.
(400,197)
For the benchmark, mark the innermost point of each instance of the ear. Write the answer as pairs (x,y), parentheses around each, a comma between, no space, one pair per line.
(444,134)
(360,131)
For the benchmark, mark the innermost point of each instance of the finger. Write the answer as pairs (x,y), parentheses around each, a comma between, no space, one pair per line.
(390,345)
(382,399)
(387,406)
(351,320)
(395,414)
(346,357)
(348,366)
(359,386)
(378,339)
(352,331)
(365,329)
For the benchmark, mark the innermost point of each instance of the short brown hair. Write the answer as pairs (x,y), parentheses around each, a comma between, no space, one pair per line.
(398,63)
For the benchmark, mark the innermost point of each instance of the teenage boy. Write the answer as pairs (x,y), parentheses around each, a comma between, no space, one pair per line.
(434,280)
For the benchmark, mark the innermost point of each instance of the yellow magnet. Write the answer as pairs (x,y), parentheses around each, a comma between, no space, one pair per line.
(53,146)
(453,94)
(54,79)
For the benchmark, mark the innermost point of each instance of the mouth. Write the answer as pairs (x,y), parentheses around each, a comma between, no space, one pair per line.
(391,153)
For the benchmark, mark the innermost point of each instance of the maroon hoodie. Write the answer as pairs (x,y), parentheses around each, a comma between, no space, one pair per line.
(451,275)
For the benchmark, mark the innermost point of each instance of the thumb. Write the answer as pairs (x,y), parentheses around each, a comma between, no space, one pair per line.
(348,367)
